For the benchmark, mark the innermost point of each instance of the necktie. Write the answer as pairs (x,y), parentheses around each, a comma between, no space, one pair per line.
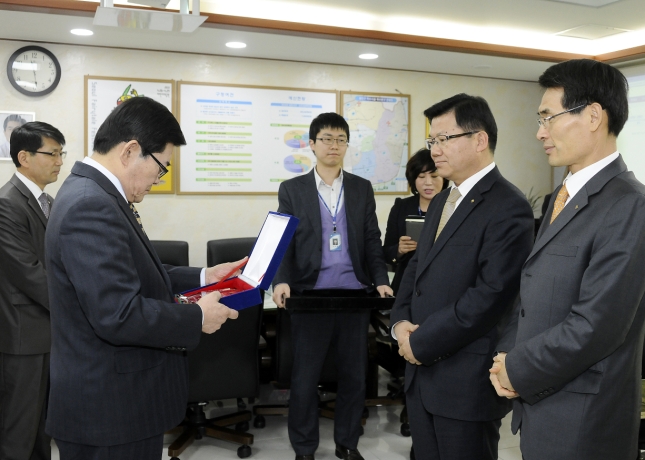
(560,201)
(448,209)
(137,216)
(44,204)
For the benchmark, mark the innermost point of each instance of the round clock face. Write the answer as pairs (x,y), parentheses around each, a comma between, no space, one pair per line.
(33,71)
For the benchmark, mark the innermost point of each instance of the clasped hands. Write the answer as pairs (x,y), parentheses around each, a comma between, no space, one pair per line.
(403,331)
(215,313)
(499,378)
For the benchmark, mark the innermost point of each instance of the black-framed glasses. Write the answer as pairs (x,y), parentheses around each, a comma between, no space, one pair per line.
(60,155)
(330,141)
(162,169)
(544,121)
(443,138)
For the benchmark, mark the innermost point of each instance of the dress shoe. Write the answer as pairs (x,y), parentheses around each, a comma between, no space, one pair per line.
(348,454)
(305,457)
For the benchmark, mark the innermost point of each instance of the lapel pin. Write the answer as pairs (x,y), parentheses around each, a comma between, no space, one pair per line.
(472,201)
(576,206)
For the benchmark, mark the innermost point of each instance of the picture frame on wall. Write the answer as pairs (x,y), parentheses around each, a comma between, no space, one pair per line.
(104,94)
(9,120)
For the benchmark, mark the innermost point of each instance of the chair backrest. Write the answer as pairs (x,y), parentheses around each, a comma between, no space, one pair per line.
(172,252)
(228,250)
(225,364)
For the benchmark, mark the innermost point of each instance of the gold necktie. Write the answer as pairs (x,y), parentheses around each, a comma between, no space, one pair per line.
(448,209)
(560,201)
(137,216)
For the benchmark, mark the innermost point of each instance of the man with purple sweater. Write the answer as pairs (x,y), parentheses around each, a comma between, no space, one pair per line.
(336,251)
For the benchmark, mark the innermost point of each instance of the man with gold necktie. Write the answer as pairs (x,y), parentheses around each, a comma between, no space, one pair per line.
(25,339)
(119,377)
(573,348)
(458,287)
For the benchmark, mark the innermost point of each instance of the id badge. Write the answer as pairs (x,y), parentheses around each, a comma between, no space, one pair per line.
(334,242)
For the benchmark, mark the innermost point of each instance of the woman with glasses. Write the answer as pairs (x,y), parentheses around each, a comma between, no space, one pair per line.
(421,174)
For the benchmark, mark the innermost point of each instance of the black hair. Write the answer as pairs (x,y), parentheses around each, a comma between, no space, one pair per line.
(585,81)
(472,113)
(13,117)
(421,162)
(142,119)
(328,120)
(29,137)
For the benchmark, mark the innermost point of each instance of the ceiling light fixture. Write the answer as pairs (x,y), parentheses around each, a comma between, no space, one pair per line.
(82,32)
(237,45)
(368,56)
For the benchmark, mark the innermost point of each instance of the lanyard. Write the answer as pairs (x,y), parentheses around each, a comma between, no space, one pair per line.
(333,216)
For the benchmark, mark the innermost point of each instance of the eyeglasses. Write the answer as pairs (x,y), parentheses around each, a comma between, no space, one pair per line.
(330,141)
(544,121)
(60,155)
(162,169)
(442,139)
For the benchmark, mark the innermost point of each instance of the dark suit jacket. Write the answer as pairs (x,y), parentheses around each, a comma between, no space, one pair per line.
(24,304)
(117,372)
(403,207)
(459,289)
(577,340)
(301,264)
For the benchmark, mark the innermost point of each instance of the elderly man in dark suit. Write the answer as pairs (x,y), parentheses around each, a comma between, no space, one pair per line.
(119,377)
(336,251)
(25,338)
(573,362)
(459,286)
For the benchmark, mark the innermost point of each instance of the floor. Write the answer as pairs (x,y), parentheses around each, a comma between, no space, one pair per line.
(382,439)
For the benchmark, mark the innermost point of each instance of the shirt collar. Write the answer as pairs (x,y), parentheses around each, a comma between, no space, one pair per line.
(467,185)
(33,188)
(320,182)
(103,170)
(576,181)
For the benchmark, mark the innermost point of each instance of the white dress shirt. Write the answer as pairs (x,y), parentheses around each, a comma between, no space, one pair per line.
(33,188)
(575,182)
(329,193)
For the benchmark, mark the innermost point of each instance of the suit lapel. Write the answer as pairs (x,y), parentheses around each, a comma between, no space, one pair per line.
(466,206)
(31,199)
(309,194)
(578,203)
(97,176)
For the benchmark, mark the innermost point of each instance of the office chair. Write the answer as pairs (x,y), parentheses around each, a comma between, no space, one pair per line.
(172,252)
(223,366)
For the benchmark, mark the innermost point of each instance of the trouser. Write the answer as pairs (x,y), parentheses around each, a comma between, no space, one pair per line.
(146,449)
(24,383)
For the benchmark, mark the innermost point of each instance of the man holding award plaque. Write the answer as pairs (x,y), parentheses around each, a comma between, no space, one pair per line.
(119,374)
(336,252)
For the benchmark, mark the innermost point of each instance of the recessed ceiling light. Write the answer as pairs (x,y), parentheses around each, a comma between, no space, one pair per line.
(236,45)
(83,32)
(368,56)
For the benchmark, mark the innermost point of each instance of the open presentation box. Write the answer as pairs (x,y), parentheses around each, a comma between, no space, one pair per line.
(243,291)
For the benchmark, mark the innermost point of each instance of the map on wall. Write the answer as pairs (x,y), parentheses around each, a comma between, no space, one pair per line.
(379,138)
(104,94)
(245,139)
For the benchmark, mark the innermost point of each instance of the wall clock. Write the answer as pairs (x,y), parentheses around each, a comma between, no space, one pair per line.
(34,71)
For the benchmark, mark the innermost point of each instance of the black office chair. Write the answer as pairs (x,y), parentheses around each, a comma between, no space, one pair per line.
(172,252)
(223,366)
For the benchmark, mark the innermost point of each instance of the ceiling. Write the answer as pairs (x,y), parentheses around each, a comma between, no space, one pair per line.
(514,40)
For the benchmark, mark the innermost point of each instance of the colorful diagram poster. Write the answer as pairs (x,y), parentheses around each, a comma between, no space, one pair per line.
(104,94)
(379,139)
(246,139)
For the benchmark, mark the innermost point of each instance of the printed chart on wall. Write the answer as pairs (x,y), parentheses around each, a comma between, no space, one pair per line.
(246,139)
(104,94)
(379,139)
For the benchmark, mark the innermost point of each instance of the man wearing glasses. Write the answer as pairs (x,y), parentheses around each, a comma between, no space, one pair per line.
(574,345)
(458,287)
(118,372)
(336,252)
(25,339)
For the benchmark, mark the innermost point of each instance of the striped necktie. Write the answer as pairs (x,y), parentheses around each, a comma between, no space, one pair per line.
(44,204)
(448,209)
(137,216)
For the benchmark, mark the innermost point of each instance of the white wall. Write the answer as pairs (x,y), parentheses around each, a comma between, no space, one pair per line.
(198,219)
